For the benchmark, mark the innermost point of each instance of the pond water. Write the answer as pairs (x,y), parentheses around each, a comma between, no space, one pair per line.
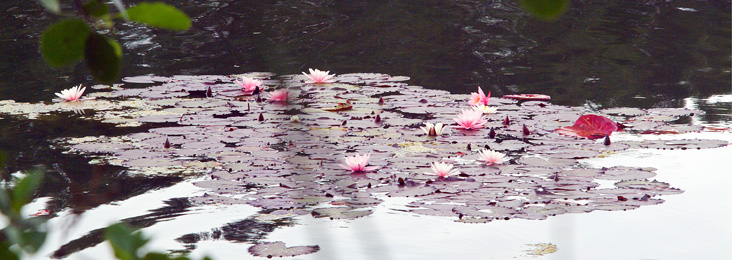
(645,54)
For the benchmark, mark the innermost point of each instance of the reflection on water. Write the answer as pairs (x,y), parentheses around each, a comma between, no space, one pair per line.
(718,108)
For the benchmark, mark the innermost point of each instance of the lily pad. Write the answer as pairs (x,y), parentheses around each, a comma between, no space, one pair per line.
(682,144)
(340,213)
(589,126)
(279,249)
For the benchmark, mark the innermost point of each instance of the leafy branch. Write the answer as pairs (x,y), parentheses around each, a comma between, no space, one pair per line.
(83,33)
(28,234)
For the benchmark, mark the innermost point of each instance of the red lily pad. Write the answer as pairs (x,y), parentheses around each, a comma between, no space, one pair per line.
(589,126)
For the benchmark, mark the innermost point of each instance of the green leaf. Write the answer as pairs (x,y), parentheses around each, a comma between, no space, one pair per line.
(24,189)
(103,57)
(156,256)
(3,160)
(13,234)
(95,8)
(120,237)
(545,9)
(32,240)
(5,252)
(124,243)
(5,203)
(160,15)
(51,5)
(62,43)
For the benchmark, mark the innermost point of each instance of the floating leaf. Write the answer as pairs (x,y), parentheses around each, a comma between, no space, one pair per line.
(626,173)
(589,126)
(287,166)
(340,213)
(541,249)
(536,97)
(278,249)
(624,111)
(682,144)
(675,112)
(341,107)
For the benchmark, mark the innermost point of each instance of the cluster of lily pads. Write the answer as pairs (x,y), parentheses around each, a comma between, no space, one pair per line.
(280,142)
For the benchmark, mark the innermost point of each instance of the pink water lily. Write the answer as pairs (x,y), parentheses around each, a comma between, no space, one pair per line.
(72,94)
(470,119)
(491,157)
(442,170)
(279,96)
(357,163)
(318,76)
(249,84)
(479,98)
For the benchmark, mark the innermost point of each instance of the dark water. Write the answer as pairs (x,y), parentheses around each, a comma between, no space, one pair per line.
(611,53)
(601,53)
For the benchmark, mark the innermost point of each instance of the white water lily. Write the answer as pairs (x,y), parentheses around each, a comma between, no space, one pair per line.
(434,129)
(485,109)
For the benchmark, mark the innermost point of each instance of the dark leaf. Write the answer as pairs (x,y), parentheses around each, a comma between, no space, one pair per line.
(103,57)
(62,43)
(156,256)
(545,9)
(3,159)
(95,8)
(32,240)
(5,252)
(160,15)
